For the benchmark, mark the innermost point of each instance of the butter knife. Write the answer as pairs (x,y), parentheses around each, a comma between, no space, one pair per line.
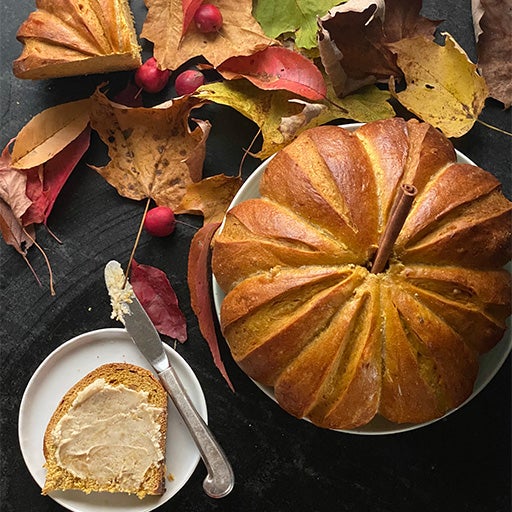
(219,480)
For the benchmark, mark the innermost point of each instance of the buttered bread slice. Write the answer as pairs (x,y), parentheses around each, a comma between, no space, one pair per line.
(109,434)
(77,37)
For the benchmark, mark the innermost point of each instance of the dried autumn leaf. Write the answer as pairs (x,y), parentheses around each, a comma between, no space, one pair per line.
(268,109)
(154,153)
(155,293)
(45,182)
(50,131)
(14,202)
(240,33)
(210,197)
(443,86)
(292,16)
(199,287)
(278,68)
(13,232)
(13,185)
(353,40)
(493,29)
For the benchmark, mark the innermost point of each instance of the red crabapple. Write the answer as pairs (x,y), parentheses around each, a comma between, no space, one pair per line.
(160,221)
(188,81)
(208,18)
(150,78)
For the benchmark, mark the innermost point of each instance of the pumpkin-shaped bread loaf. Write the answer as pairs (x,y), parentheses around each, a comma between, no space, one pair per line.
(77,37)
(308,313)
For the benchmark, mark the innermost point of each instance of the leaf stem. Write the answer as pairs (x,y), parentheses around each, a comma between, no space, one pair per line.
(494,127)
(47,261)
(246,152)
(136,243)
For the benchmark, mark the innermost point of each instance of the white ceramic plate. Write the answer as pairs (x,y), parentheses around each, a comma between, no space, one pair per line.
(60,371)
(490,362)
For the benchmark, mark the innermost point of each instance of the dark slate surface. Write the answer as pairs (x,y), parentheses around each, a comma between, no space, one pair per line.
(459,464)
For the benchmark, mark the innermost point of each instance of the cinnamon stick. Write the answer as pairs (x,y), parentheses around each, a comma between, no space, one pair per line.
(398,214)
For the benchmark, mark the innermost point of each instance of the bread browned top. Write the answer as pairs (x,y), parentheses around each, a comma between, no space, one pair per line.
(303,311)
(113,374)
(72,37)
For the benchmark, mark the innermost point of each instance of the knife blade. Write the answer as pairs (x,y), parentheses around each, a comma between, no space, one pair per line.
(219,480)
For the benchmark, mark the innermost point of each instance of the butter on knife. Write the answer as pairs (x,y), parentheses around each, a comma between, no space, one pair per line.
(119,289)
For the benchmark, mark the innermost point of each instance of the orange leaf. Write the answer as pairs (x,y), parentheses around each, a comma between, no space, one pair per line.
(210,197)
(240,33)
(49,132)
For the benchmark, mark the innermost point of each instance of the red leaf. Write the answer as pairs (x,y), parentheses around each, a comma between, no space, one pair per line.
(189,9)
(277,68)
(44,187)
(159,300)
(199,286)
(130,96)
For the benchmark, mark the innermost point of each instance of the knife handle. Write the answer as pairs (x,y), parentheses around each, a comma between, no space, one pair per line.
(220,478)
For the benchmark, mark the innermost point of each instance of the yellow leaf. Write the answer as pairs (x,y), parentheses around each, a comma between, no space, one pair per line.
(153,151)
(281,116)
(443,86)
(49,132)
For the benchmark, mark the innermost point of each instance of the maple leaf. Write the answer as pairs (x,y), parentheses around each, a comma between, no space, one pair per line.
(278,68)
(443,86)
(292,16)
(240,33)
(210,197)
(354,36)
(268,109)
(154,153)
(493,29)
(155,293)
(199,287)
(49,132)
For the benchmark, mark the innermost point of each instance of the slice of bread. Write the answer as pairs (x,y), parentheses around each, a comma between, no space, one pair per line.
(77,37)
(108,433)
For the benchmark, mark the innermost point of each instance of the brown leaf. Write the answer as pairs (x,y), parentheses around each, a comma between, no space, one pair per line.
(210,197)
(353,40)
(154,154)
(13,185)
(199,287)
(240,33)
(493,30)
(49,132)
(13,232)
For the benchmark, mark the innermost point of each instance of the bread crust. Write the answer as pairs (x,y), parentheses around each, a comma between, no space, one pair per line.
(71,37)
(403,343)
(115,374)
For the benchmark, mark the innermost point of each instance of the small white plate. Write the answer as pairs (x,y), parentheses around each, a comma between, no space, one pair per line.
(490,363)
(59,372)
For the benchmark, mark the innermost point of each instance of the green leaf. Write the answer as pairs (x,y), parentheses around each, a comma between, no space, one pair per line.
(295,16)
